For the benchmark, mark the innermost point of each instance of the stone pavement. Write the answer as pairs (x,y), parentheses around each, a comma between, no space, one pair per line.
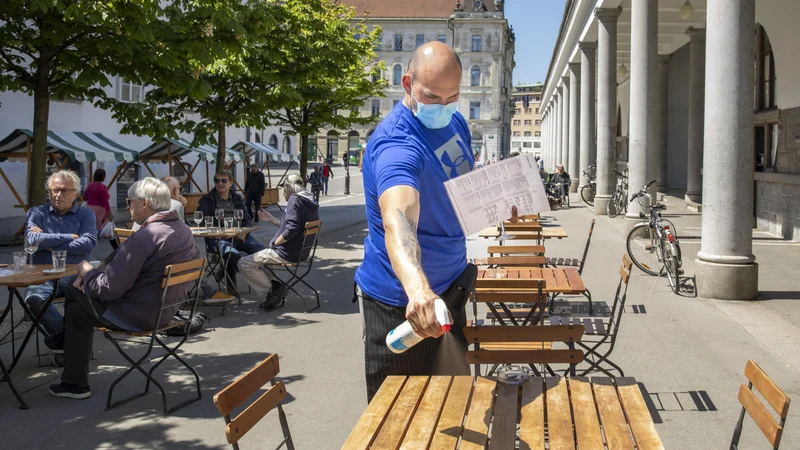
(688,353)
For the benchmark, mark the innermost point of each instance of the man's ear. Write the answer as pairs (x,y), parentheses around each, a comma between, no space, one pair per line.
(406,82)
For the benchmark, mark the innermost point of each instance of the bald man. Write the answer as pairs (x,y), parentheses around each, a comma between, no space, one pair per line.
(178,201)
(415,250)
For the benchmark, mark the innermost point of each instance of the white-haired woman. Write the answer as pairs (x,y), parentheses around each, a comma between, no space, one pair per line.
(127,293)
(285,246)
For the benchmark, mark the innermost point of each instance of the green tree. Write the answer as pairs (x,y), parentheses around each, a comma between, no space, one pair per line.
(219,69)
(331,62)
(54,49)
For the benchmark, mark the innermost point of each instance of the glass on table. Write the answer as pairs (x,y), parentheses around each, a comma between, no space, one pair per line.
(59,260)
(228,223)
(219,213)
(198,217)
(209,221)
(30,247)
(238,215)
(19,261)
(499,273)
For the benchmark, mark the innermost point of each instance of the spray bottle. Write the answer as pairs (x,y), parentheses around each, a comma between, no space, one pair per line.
(403,337)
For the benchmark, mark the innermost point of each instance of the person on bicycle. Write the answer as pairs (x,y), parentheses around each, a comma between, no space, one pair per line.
(560,180)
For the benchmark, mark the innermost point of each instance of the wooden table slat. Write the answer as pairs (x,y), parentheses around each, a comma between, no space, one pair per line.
(549,280)
(504,426)
(370,422)
(398,419)
(561,279)
(531,423)
(575,281)
(559,419)
(587,425)
(31,277)
(612,418)
(476,428)
(639,419)
(450,423)
(420,432)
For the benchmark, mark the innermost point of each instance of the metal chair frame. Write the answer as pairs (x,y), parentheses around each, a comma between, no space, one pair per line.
(552,262)
(196,266)
(311,233)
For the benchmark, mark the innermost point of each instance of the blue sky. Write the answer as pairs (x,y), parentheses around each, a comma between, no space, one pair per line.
(535,25)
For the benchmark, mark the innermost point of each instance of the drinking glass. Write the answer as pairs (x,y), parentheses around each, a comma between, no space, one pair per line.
(209,221)
(198,217)
(228,223)
(500,273)
(19,261)
(219,213)
(238,215)
(31,246)
(59,260)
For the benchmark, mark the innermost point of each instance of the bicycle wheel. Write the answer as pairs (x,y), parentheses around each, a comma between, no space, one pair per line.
(670,265)
(611,208)
(643,248)
(587,195)
(622,198)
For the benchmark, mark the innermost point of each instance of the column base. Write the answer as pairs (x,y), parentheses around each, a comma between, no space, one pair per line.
(727,281)
(601,204)
(694,197)
(573,187)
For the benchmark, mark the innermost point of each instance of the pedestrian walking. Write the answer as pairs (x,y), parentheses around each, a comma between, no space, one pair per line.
(315,180)
(327,172)
(254,188)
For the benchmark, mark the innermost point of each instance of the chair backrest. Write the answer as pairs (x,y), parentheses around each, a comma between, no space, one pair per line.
(586,249)
(516,249)
(122,234)
(775,397)
(569,334)
(620,296)
(176,274)
(525,261)
(310,239)
(522,226)
(240,390)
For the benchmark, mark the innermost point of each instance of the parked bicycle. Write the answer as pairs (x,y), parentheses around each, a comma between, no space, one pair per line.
(588,191)
(653,244)
(618,204)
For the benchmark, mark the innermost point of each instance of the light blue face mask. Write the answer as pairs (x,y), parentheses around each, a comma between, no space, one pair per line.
(434,116)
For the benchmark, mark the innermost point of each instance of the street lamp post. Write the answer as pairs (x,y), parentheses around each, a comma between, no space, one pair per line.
(347,175)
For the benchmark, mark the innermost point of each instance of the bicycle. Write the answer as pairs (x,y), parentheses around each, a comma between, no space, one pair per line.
(654,242)
(619,200)
(588,191)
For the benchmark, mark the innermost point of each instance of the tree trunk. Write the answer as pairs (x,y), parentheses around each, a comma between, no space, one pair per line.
(41,117)
(221,147)
(303,156)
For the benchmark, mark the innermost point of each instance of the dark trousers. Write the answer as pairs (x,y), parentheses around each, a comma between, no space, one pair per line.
(81,315)
(253,197)
(429,357)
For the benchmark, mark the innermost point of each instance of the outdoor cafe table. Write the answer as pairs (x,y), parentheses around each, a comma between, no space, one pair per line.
(21,280)
(219,233)
(546,233)
(421,412)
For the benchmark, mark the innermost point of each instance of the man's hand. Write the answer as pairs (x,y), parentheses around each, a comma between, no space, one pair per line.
(514,216)
(78,283)
(74,236)
(182,199)
(84,267)
(421,314)
(265,216)
(241,236)
(35,229)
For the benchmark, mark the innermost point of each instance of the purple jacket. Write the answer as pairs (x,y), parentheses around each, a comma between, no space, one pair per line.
(131,282)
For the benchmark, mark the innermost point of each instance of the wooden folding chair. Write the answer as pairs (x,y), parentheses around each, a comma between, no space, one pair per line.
(574,262)
(501,345)
(310,239)
(774,395)
(602,331)
(174,275)
(122,234)
(240,390)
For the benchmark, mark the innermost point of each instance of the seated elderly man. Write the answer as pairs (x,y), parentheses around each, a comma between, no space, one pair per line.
(560,180)
(59,225)
(221,197)
(126,293)
(286,246)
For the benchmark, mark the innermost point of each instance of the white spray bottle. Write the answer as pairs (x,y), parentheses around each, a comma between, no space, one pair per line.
(403,337)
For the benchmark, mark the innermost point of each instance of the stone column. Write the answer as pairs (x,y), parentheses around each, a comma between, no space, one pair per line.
(726,267)
(606,105)
(588,155)
(697,75)
(564,151)
(662,66)
(558,134)
(644,49)
(574,125)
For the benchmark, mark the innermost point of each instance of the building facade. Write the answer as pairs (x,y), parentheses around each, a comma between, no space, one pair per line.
(479,33)
(526,122)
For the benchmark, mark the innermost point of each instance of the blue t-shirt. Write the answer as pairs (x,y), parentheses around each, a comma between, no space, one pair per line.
(402,151)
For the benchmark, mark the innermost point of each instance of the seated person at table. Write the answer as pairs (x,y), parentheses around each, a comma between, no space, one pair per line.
(560,181)
(221,197)
(126,294)
(60,224)
(287,244)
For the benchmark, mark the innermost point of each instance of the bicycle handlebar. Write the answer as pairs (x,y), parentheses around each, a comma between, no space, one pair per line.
(620,174)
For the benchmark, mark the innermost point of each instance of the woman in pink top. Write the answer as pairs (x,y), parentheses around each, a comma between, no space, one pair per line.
(97,196)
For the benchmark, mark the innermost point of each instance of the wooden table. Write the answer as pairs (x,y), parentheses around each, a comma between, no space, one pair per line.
(561,280)
(21,280)
(546,233)
(228,235)
(428,412)
(218,233)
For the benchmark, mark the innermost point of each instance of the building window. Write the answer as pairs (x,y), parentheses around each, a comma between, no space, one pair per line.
(518,111)
(517,122)
(538,99)
(765,72)
(398,42)
(397,74)
(537,110)
(515,134)
(537,145)
(527,110)
(476,42)
(538,122)
(376,106)
(474,110)
(130,92)
(475,76)
(537,134)
(379,44)
(420,40)
(527,134)
(526,144)
(442,38)
(528,123)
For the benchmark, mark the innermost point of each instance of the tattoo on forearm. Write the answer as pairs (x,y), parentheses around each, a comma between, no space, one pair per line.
(407,237)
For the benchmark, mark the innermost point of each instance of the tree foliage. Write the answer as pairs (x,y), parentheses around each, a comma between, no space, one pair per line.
(67,49)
